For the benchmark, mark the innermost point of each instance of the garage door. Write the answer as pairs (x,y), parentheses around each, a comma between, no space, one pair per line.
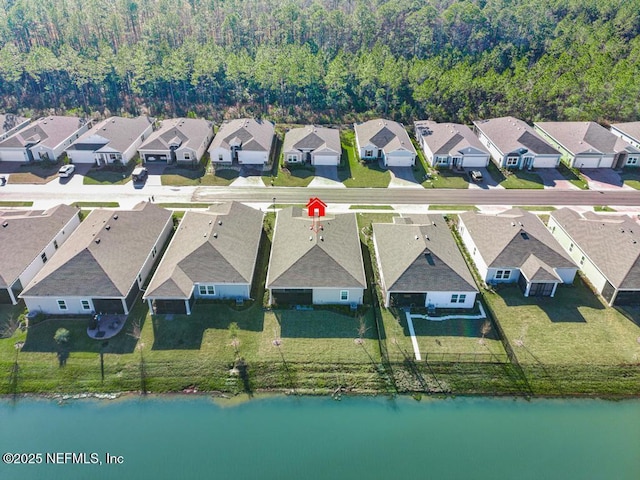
(155,158)
(292,296)
(163,307)
(399,161)
(408,299)
(325,160)
(13,156)
(587,162)
(108,305)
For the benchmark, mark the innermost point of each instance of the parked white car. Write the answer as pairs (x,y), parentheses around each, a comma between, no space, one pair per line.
(66,170)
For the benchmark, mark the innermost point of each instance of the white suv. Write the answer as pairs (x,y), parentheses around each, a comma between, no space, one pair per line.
(66,170)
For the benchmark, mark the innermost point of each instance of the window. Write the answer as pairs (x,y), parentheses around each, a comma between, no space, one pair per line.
(632,161)
(474,250)
(454,298)
(62,305)
(582,260)
(292,158)
(368,153)
(139,278)
(443,160)
(85,305)
(571,247)
(44,257)
(113,156)
(462,298)
(344,295)
(512,161)
(207,290)
(187,156)
(154,252)
(503,274)
(220,157)
(55,244)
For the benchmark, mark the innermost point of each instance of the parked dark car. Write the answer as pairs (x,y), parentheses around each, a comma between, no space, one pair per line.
(476,175)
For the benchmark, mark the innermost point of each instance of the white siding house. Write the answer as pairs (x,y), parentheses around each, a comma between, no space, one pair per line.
(246,141)
(314,145)
(385,140)
(450,145)
(177,140)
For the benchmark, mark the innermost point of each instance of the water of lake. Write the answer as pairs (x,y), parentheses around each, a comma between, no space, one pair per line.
(319,438)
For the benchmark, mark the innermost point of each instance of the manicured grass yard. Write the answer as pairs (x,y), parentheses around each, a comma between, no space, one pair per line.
(515,179)
(573,175)
(574,327)
(631,177)
(362,175)
(175,176)
(432,178)
(292,176)
(15,204)
(110,175)
(35,173)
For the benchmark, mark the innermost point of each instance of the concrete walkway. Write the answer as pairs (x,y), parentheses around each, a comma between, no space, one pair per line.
(402,177)
(250,181)
(480,316)
(324,182)
(414,340)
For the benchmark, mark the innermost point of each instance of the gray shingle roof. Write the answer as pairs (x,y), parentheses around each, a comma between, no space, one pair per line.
(47,131)
(25,235)
(384,134)
(108,268)
(302,258)
(117,133)
(190,132)
(584,137)
(205,251)
(631,129)
(508,239)
(254,135)
(611,242)
(311,137)
(509,134)
(421,256)
(448,138)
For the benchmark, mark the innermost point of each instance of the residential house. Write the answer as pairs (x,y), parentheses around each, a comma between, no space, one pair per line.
(384,140)
(315,260)
(178,140)
(211,256)
(515,145)
(10,124)
(115,139)
(314,145)
(29,238)
(420,264)
(245,140)
(588,145)
(630,133)
(450,145)
(104,263)
(607,249)
(515,246)
(44,139)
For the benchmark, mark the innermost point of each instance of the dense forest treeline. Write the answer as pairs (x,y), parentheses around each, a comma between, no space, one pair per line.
(323,60)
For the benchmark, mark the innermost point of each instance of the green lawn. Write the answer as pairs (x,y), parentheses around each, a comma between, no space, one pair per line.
(430,177)
(536,208)
(573,175)
(370,207)
(110,175)
(95,204)
(177,176)
(515,179)
(292,176)
(6,203)
(603,208)
(361,175)
(35,173)
(574,327)
(464,208)
(184,205)
(631,177)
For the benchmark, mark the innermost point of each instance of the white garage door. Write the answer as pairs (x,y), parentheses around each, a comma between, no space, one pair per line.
(587,162)
(399,161)
(325,160)
(79,156)
(13,156)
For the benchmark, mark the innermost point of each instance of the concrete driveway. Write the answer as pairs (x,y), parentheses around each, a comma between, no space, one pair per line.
(402,177)
(552,178)
(327,171)
(604,179)
(487,183)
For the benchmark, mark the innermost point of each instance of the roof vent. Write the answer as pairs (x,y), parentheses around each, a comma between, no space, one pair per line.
(97,240)
(215,234)
(5,224)
(520,223)
(417,237)
(321,238)
(310,238)
(107,227)
(115,217)
(513,224)
(219,222)
(426,237)
(210,222)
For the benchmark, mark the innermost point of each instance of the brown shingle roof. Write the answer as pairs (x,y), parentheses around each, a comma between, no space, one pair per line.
(419,255)
(611,242)
(190,132)
(448,138)
(384,134)
(47,131)
(311,137)
(584,137)
(103,255)
(509,134)
(302,258)
(217,246)
(116,133)
(25,235)
(254,135)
